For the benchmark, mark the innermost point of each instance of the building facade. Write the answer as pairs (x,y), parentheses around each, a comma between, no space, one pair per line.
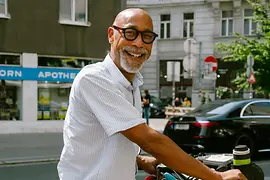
(207,22)
(43,45)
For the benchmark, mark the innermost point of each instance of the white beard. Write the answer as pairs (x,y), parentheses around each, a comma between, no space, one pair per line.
(128,67)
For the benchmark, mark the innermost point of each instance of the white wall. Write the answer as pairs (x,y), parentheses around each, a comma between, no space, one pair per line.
(29,90)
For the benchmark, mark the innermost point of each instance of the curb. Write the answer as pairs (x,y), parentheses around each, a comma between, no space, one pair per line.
(18,161)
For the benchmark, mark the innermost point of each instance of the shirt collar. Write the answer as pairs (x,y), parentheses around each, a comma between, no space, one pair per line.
(119,77)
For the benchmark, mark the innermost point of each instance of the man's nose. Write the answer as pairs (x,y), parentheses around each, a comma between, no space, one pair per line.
(138,41)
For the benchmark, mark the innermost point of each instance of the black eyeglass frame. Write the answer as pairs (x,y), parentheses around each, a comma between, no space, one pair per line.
(137,33)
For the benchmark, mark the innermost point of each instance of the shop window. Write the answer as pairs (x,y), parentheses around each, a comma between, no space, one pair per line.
(10,100)
(10,91)
(9,60)
(53,100)
(53,97)
(182,89)
(65,62)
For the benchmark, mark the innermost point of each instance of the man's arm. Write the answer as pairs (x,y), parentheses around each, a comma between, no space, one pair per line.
(167,152)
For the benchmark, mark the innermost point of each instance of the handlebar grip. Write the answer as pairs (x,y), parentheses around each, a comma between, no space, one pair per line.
(169,176)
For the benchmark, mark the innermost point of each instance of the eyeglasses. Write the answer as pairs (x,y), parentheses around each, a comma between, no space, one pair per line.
(131,34)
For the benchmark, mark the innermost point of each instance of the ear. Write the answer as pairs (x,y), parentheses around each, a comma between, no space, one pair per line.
(110,35)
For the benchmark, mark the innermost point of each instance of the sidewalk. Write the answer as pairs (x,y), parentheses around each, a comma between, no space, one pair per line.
(33,147)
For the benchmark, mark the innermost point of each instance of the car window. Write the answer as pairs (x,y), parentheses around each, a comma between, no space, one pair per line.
(248,111)
(214,108)
(235,113)
(207,107)
(156,101)
(260,109)
(223,108)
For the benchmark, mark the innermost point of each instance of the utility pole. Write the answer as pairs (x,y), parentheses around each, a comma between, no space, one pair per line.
(173,75)
(173,85)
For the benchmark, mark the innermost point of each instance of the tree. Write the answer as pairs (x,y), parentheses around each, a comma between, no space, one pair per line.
(258,47)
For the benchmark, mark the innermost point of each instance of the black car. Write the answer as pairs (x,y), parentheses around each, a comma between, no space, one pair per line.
(157,108)
(221,125)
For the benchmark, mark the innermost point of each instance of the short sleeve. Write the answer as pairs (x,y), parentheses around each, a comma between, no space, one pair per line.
(108,103)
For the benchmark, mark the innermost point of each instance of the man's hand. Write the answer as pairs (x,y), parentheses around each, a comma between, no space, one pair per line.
(233,174)
(147,163)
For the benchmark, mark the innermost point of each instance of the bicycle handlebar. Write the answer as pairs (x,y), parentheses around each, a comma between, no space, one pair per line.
(251,171)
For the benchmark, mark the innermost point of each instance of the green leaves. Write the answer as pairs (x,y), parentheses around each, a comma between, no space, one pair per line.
(258,47)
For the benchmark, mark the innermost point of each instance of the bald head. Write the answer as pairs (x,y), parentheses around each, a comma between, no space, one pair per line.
(129,17)
(129,37)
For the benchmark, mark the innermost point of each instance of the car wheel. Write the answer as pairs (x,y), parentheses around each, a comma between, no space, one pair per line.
(246,139)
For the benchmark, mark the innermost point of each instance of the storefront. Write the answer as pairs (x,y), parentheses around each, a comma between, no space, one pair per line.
(183,88)
(34,93)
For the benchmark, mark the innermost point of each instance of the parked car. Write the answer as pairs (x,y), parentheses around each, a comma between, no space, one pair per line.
(157,108)
(221,125)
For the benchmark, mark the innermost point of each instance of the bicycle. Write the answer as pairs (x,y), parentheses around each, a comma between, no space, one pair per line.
(217,162)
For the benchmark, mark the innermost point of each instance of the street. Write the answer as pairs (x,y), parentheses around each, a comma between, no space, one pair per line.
(34,156)
(41,171)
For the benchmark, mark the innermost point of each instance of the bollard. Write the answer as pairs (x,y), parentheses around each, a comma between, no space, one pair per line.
(242,161)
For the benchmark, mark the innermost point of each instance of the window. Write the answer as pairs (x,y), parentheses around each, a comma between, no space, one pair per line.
(9,60)
(165,26)
(74,12)
(248,111)
(227,23)
(235,113)
(52,100)
(181,87)
(188,25)
(249,25)
(10,90)
(53,97)
(64,62)
(3,8)
(260,109)
(10,100)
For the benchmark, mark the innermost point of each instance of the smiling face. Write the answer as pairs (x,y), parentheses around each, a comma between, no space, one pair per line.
(130,55)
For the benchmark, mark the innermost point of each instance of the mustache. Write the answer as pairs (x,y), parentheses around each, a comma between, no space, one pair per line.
(135,49)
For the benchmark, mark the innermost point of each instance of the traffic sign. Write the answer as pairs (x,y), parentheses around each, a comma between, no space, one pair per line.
(190,46)
(249,71)
(189,63)
(250,60)
(212,62)
(251,79)
(173,71)
(249,65)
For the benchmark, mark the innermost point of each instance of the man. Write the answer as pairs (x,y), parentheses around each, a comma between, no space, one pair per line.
(177,102)
(103,125)
(146,105)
